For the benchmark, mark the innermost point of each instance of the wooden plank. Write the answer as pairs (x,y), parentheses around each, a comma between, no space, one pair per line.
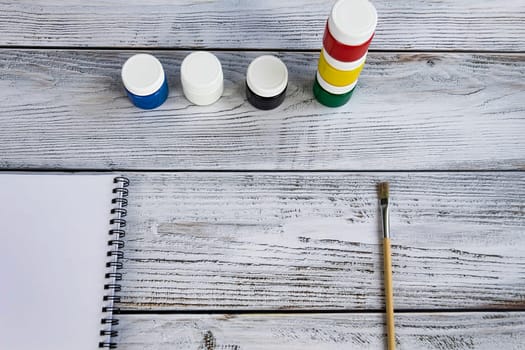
(312,241)
(272,24)
(67,109)
(444,331)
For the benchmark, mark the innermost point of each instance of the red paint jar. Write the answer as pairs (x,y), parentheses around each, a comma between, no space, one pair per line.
(350,29)
(342,52)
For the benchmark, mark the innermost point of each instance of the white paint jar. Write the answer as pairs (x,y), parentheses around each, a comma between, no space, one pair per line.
(201,77)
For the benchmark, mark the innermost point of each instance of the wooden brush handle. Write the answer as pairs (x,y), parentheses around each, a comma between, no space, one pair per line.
(389,295)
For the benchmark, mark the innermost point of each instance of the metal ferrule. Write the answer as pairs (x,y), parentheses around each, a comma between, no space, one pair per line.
(385,218)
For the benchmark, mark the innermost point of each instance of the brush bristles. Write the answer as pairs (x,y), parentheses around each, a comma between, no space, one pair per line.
(383,190)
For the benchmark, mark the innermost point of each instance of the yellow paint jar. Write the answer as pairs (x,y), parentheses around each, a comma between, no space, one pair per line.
(339,73)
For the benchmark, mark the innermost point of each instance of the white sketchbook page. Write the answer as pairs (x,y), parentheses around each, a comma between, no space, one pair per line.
(53,245)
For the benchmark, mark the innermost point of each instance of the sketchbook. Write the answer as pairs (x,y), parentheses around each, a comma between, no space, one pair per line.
(60,256)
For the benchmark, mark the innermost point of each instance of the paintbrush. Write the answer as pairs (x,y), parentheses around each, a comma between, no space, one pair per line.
(389,294)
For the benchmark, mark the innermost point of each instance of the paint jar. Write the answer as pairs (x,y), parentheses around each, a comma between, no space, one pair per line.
(145,81)
(339,73)
(266,82)
(348,33)
(202,78)
(329,95)
(350,29)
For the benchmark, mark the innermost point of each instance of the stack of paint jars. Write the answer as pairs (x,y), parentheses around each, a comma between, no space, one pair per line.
(348,33)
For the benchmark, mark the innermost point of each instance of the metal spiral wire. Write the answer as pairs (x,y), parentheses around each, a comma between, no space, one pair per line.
(114,263)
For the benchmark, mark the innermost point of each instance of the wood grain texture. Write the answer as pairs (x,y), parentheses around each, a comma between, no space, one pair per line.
(441,331)
(273,24)
(256,241)
(67,109)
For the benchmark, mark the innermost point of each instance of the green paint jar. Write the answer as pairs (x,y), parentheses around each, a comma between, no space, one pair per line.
(332,96)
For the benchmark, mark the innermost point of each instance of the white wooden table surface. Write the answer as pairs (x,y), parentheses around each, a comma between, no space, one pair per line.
(259,230)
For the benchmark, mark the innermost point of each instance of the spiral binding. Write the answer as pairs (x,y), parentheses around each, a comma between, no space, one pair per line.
(114,263)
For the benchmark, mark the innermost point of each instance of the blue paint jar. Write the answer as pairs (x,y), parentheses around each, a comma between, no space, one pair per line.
(145,81)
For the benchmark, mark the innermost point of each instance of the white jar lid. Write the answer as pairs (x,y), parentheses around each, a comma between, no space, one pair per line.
(352,22)
(201,73)
(267,76)
(336,90)
(142,74)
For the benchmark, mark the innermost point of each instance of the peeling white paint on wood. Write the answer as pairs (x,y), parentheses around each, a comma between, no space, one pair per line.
(431,331)
(312,241)
(68,109)
(273,24)
(309,241)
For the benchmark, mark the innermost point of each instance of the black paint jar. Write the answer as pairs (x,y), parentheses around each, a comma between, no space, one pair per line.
(266,82)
